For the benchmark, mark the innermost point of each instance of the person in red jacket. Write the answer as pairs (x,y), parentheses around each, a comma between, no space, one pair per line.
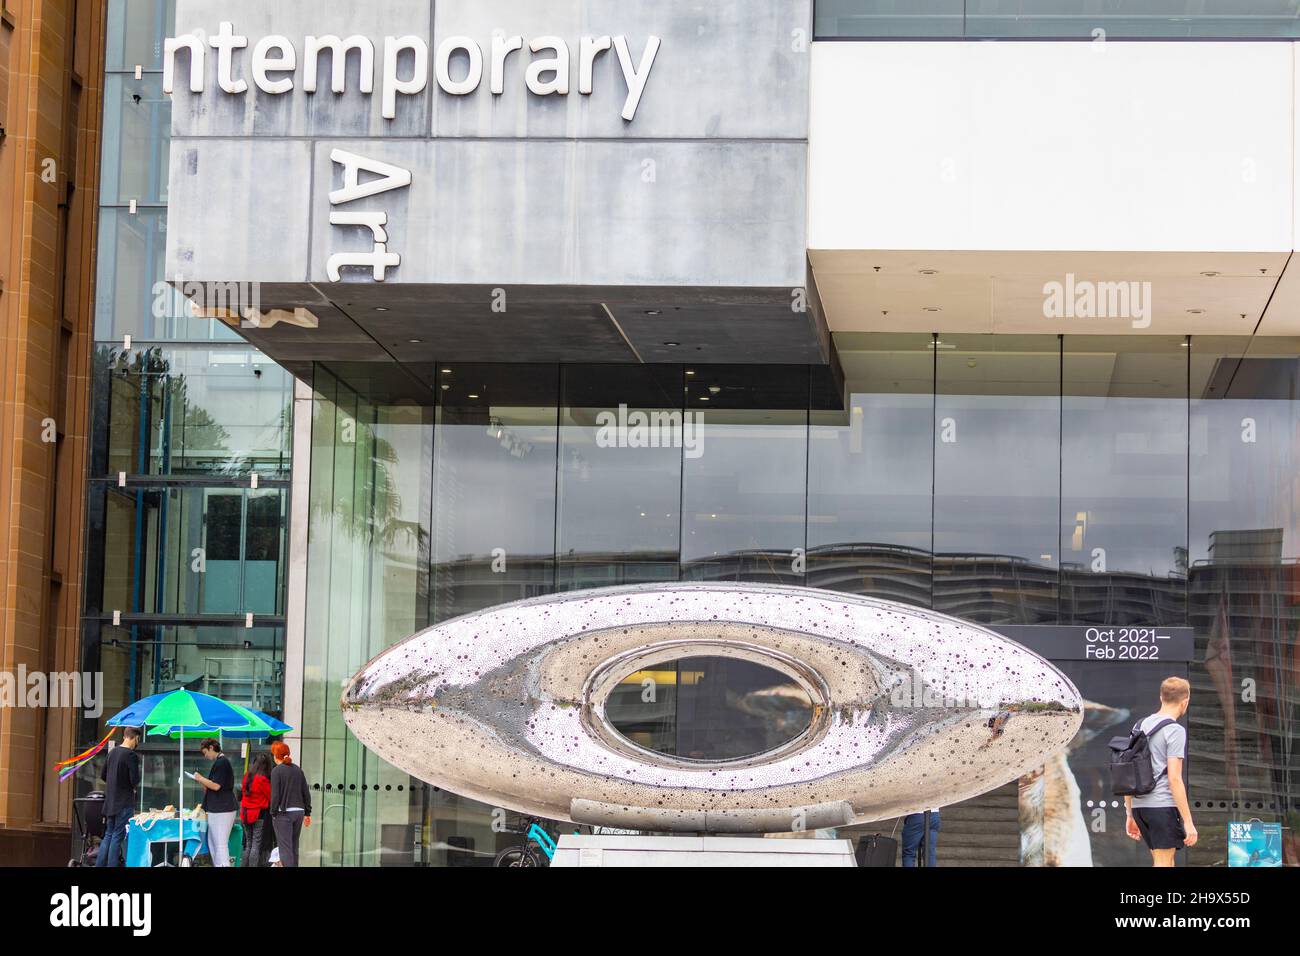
(253,811)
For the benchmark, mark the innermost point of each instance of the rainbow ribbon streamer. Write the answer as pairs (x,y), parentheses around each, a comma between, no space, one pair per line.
(70,766)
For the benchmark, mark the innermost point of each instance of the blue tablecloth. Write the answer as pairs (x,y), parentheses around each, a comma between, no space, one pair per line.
(140,837)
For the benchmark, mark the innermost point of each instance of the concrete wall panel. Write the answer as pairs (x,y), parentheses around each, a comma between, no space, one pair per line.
(1052,146)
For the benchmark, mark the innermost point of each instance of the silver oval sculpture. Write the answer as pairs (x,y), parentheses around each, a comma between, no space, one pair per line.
(909,709)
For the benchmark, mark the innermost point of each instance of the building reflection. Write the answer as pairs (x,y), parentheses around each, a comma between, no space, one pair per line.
(1032,480)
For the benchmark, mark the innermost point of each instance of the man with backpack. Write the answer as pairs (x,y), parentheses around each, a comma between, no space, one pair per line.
(1148,770)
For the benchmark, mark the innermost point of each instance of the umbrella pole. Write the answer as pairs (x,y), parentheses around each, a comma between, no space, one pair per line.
(180,804)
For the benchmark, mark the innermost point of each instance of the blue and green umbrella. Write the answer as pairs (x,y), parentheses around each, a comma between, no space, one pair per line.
(258,726)
(183,712)
(181,709)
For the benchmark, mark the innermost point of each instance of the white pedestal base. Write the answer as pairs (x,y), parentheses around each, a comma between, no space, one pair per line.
(578,850)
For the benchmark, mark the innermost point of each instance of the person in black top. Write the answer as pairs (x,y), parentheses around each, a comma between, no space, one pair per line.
(290,803)
(120,779)
(218,801)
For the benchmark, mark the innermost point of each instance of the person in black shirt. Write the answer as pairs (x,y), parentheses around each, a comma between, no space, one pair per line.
(120,779)
(218,801)
(290,803)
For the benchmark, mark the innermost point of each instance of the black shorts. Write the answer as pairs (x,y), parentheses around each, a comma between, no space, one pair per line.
(1161,827)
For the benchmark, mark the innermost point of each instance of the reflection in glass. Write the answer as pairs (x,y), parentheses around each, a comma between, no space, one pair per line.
(187,550)
(889,18)
(621,447)
(134,33)
(744,490)
(494,464)
(870,467)
(709,708)
(137,145)
(131,296)
(1243,590)
(1064,19)
(220,411)
(1124,480)
(996,477)
(523,494)
(367,584)
(236,663)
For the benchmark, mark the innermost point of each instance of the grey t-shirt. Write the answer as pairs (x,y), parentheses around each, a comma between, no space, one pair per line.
(1170,742)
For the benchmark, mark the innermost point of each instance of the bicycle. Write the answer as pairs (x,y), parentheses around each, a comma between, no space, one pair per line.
(525,854)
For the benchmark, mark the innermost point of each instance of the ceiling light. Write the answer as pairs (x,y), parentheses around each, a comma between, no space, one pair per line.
(933,308)
(415,341)
(1209,274)
(380,309)
(690,371)
(672,345)
(446,371)
(471,396)
(1195,311)
(714,389)
(929,272)
(654,312)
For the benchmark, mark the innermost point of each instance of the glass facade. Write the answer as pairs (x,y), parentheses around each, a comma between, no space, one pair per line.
(182,544)
(1057,19)
(1006,480)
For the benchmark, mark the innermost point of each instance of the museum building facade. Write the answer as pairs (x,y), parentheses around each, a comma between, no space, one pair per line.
(409,312)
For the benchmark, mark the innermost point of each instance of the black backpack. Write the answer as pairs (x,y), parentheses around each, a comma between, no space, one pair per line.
(876,849)
(1131,774)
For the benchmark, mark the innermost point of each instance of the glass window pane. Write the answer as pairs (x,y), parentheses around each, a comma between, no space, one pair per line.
(744,492)
(131,297)
(870,468)
(1243,591)
(622,441)
(239,664)
(1124,480)
(137,140)
(135,31)
(187,550)
(1067,19)
(494,486)
(222,411)
(997,432)
(1132,18)
(889,18)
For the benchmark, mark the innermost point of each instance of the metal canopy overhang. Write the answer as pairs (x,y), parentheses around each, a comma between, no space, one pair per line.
(297,324)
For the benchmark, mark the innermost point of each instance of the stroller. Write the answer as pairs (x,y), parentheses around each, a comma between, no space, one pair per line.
(88,812)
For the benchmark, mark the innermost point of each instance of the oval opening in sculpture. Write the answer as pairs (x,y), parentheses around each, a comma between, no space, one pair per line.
(709,708)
